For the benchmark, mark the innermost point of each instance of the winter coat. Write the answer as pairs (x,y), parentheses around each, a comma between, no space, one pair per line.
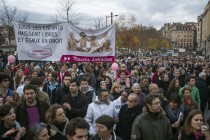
(118,104)
(151,126)
(202,87)
(60,133)
(77,110)
(51,90)
(61,91)
(97,109)
(90,94)
(194,94)
(126,119)
(22,115)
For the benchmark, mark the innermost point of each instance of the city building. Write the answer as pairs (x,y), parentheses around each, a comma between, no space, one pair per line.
(203,31)
(180,35)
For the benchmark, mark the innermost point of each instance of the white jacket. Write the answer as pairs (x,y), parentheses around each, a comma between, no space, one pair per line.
(97,109)
(117,104)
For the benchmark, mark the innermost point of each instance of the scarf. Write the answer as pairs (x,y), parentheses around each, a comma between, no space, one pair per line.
(188,102)
(197,135)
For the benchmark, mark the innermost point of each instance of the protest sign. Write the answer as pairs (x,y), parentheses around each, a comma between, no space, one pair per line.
(64,42)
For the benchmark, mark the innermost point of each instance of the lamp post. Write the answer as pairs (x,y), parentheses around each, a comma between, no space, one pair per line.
(111,18)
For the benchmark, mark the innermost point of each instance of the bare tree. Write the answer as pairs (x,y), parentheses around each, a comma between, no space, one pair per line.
(9,14)
(66,13)
(98,23)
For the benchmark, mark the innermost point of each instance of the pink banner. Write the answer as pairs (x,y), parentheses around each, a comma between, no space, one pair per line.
(73,58)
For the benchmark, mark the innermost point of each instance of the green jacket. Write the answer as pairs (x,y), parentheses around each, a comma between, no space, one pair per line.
(148,126)
(194,94)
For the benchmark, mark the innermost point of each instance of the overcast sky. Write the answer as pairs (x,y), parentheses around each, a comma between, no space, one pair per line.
(147,12)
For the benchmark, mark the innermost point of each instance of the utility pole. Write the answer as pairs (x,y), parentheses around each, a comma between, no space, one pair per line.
(111,18)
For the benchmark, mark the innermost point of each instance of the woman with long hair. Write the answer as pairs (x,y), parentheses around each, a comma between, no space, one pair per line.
(173,88)
(18,79)
(192,129)
(57,122)
(101,77)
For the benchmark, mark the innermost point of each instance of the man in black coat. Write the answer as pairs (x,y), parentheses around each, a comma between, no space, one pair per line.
(64,89)
(127,114)
(75,103)
(201,84)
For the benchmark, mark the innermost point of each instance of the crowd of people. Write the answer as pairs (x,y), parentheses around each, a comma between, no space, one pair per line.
(147,98)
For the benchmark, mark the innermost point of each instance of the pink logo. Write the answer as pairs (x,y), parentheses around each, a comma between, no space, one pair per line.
(40,53)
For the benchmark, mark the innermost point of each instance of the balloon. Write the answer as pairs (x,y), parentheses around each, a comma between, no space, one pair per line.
(11,59)
(115,66)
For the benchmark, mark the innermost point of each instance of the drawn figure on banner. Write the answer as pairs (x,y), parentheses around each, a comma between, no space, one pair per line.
(105,44)
(72,42)
(83,42)
(94,45)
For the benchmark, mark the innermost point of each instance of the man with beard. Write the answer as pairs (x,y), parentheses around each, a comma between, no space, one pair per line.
(64,89)
(152,124)
(32,110)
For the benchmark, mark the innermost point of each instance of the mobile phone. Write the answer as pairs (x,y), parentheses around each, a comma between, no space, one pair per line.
(205,126)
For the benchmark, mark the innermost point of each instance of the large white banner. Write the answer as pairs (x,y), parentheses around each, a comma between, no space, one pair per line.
(64,42)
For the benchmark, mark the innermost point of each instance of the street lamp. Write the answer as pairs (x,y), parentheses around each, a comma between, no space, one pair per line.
(111,18)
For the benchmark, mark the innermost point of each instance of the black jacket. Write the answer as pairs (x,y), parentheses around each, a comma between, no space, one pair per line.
(51,92)
(77,110)
(126,119)
(62,91)
(202,87)
(22,115)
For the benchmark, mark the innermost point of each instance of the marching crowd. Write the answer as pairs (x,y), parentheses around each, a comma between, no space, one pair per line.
(146,98)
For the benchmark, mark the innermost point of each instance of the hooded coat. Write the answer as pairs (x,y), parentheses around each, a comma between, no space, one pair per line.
(97,109)
(151,126)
